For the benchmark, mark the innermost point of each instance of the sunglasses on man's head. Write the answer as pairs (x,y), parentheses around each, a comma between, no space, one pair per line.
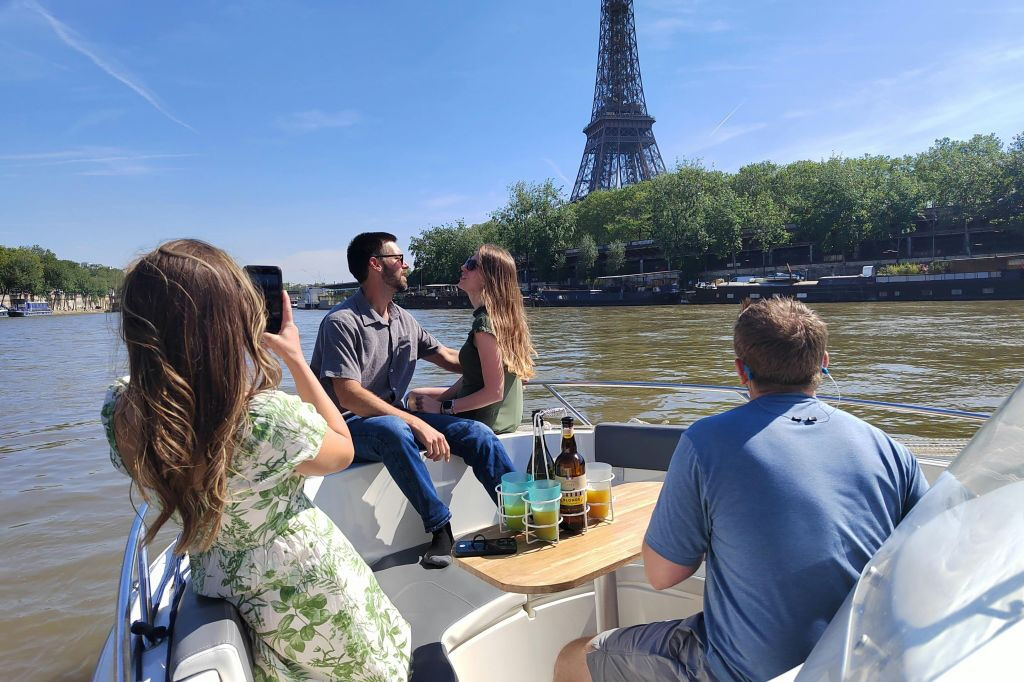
(470,263)
(399,256)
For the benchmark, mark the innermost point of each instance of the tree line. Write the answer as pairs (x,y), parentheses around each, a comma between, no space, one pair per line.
(34,271)
(694,212)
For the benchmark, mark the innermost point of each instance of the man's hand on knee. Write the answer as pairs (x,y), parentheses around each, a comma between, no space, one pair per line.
(432,440)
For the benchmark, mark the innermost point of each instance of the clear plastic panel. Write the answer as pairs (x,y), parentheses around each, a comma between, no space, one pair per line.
(949,579)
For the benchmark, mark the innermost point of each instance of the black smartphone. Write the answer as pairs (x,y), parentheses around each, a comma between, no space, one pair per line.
(267,279)
(481,546)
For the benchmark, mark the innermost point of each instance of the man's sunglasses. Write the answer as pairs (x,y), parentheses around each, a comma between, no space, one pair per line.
(470,263)
(399,256)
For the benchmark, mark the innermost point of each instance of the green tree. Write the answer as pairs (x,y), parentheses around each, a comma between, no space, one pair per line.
(892,196)
(586,257)
(615,258)
(59,278)
(5,254)
(964,175)
(21,272)
(1013,181)
(761,206)
(440,251)
(536,226)
(677,223)
(721,215)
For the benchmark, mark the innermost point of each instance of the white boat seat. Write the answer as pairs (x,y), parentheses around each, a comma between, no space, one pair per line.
(636,446)
(209,638)
(432,601)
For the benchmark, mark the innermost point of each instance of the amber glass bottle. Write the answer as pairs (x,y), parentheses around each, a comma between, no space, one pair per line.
(542,467)
(571,472)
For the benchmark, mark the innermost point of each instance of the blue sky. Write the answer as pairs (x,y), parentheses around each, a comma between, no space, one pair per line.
(278,130)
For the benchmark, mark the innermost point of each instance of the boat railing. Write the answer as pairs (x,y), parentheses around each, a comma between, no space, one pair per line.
(553,386)
(132,637)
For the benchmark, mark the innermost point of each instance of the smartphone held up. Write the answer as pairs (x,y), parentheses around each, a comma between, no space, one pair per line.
(267,279)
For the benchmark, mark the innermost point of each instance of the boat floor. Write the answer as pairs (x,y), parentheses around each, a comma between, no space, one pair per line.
(432,600)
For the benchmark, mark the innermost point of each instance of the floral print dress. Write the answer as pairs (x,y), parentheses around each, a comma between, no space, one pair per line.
(313,606)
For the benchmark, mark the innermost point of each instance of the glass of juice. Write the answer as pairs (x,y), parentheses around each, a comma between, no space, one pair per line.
(510,493)
(599,491)
(543,498)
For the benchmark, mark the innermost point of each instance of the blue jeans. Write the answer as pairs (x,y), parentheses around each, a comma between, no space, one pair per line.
(389,440)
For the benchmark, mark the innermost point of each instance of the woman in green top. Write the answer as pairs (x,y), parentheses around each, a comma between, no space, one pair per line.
(498,353)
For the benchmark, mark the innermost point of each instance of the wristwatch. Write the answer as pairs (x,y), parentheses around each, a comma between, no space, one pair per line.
(447,407)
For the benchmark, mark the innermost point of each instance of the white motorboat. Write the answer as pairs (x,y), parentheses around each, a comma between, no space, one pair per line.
(941,599)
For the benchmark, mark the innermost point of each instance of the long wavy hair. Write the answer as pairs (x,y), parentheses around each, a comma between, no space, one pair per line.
(193,324)
(504,304)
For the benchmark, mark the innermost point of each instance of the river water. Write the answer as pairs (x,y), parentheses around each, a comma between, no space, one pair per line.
(64,512)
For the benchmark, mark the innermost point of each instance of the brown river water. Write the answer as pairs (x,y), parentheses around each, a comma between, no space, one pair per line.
(64,512)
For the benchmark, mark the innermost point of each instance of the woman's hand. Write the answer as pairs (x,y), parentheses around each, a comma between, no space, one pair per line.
(285,344)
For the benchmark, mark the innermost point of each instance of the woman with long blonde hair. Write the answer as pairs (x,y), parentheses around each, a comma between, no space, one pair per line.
(498,354)
(201,429)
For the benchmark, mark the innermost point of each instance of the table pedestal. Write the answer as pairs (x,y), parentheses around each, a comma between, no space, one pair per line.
(606,596)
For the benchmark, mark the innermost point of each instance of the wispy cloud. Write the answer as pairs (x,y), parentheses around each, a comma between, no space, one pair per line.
(94,119)
(725,120)
(905,111)
(303,122)
(69,37)
(92,161)
(444,201)
(673,18)
(21,64)
(558,171)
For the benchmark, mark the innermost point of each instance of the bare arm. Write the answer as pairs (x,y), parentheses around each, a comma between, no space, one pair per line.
(445,358)
(662,573)
(357,399)
(436,392)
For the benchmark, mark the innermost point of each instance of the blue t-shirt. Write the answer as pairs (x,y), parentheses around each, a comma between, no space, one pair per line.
(787,513)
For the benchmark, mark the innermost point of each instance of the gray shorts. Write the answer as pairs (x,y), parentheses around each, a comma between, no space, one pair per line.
(668,650)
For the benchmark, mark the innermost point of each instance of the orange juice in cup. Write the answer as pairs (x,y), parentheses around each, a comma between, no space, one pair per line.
(599,490)
(599,500)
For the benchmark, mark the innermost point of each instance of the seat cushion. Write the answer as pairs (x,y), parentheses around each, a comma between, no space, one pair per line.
(636,446)
(209,636)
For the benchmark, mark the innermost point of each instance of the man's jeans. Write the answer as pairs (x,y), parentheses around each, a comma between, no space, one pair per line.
(389,440)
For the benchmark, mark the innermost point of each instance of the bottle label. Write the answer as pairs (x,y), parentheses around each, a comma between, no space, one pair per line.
(574,493)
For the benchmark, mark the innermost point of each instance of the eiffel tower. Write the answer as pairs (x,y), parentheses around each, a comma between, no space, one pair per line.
(620,149)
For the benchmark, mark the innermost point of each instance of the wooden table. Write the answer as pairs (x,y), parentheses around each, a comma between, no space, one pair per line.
(542,568)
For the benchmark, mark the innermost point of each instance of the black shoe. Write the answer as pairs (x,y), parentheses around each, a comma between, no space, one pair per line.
(439,554)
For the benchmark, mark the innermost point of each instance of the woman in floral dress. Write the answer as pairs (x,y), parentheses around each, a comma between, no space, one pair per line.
(199,426)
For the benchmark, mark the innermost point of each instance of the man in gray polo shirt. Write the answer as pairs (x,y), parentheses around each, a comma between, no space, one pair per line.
(365,356)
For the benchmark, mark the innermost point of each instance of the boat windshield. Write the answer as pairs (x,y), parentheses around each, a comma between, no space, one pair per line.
(951,576)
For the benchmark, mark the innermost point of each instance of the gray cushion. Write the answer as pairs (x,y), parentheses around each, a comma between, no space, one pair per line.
(209,635)
(636,446)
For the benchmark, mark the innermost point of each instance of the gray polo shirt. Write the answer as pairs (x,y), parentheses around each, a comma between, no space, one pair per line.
(354,342)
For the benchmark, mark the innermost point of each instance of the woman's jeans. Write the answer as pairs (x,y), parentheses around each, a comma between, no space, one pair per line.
(389,440)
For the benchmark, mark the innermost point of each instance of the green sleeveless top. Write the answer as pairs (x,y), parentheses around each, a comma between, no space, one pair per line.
(503,416)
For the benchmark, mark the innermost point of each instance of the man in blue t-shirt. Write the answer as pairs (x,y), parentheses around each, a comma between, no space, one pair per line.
(785,497)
